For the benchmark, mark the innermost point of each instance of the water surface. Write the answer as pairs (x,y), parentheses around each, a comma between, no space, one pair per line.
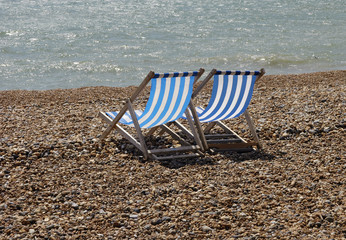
(67,44)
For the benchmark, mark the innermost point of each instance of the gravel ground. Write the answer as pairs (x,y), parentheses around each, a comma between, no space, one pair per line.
(58,181)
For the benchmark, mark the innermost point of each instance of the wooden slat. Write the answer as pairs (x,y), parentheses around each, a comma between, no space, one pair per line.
(183,129)
(262,72)
(252,128)
(194,130)
(221,141)
(209,127)
(204,82)
(220,136)
(200,73)
(122,131)
(238,150)
(171,150)
(152,130)
(162,131)
(227,129)
(176,156)
(105,117)
(129,137)
(144,148)
(232,145)
(199,134)
(174,135)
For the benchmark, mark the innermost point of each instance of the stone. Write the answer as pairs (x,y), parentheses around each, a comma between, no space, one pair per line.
(206,229)
(59,181)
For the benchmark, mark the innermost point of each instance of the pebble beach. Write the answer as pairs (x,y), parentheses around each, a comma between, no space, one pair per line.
(59,181)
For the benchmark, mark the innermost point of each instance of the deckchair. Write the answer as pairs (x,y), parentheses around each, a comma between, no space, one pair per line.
(230,98)
(170,96)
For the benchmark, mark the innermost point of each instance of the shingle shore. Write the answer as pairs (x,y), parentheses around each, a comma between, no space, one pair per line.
(58,181)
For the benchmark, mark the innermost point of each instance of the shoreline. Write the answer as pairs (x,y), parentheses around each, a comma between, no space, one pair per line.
(203,76)
(58,181)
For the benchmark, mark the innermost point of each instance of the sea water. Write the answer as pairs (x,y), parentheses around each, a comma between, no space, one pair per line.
(48,44)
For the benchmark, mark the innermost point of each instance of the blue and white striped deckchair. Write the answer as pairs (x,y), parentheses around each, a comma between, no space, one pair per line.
(169,98)
(230,97)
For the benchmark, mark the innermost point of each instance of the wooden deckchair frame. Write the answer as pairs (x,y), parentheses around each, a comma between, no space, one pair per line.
(140,143)
(215,140)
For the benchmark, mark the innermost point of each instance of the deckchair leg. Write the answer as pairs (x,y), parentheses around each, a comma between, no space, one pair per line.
(183,129)
(152,130)
(162,130)
(165,128)
(228,130)
(209,127)
(194,131)
(122,131)
(130,138)
(124,109)
(199,126)
(174,135)
(252,128)
(138,129)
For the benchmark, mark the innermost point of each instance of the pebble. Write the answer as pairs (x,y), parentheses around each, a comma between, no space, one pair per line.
(206,229)
(58,181)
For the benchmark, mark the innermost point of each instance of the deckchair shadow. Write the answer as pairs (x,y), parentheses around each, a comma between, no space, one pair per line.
(170,97)
(230,98)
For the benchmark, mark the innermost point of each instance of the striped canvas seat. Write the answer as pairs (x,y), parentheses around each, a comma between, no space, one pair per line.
(231,95)
(169,97)
(230,98)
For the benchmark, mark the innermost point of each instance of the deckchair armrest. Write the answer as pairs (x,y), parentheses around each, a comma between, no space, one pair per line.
(125,108)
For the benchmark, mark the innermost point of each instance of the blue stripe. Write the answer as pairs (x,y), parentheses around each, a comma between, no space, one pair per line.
(188,98)
(223,93)
(168,103)
(248,97)
(123,121)
(159,100)
(164,78)
(213,95)
(233,81)
(241,95)
(115,114)
(177,103)
(179,98)
(151,96)
(226,85)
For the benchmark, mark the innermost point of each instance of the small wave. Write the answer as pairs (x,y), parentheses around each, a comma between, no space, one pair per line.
(9,33)
(87,67)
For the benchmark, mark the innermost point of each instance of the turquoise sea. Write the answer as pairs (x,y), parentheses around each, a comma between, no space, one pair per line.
(48,44)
